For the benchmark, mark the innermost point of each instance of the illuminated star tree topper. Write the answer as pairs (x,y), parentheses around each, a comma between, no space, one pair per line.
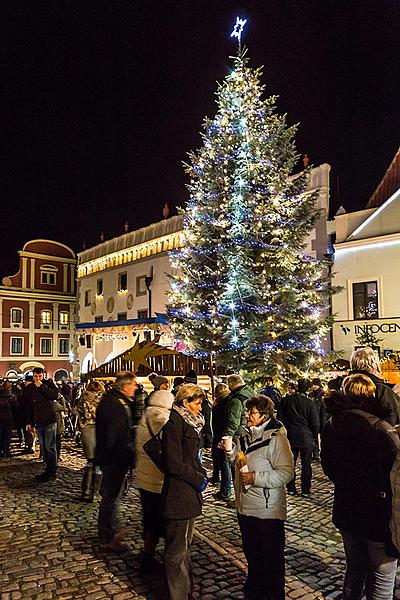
(238,29)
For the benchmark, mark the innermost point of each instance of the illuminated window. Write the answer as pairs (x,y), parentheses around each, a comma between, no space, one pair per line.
(365,300)
(46,346)
(122,281)
(63,346)
(64,318)
(17,344)
(45,317)
(16,315)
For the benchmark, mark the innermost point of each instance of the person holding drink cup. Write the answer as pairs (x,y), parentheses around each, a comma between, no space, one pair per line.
(263,466)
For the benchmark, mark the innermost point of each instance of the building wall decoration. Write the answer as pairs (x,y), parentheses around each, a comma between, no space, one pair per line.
(38,311)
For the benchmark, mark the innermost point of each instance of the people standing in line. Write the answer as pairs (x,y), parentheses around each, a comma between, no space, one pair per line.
(184,481)
(366,361)
(86,407)
(40,400)
(149,479)
(115,454)
(358,449)
(299,415)
(261,497)
(272,392)
(221,467)
(7,408)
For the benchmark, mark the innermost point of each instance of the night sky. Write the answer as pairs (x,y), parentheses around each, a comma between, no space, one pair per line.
(102,101)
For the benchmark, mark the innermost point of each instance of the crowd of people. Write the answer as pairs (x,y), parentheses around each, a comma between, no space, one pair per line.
(348,423)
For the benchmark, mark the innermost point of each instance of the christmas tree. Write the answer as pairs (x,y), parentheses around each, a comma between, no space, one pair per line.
(245,292)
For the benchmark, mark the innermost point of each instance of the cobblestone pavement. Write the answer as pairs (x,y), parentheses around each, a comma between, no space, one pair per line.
(48,546)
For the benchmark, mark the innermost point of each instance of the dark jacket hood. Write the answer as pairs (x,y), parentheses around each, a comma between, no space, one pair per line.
(336,402)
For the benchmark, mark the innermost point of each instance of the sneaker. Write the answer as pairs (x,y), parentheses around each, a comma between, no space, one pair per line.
(306,494)
(293,492)
(114,546)
(222,497)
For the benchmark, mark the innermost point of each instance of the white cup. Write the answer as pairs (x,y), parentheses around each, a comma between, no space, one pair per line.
(227,442)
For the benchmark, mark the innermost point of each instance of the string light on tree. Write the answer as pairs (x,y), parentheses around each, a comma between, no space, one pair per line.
(244,288)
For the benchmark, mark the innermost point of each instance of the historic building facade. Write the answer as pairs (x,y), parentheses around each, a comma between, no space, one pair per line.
(38,311)
(367,266)
(122,284)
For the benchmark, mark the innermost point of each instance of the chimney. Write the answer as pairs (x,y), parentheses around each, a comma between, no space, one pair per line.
(126,226)
(306,160)
(165,211)
(102,237)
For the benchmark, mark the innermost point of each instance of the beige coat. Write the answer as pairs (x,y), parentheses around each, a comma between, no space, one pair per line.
(148,476)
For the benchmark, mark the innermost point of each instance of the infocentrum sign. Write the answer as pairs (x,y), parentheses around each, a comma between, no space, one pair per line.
(347,334)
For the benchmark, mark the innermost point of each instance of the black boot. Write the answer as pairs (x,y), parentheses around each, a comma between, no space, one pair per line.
(88,484)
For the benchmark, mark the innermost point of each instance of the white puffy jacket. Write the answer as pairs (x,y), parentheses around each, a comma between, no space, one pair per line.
(269,456)
(148,476)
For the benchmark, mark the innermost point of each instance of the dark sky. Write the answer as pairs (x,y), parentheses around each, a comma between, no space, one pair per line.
(102,100)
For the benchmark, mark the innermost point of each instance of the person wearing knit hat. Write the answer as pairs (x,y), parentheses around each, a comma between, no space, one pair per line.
(191,377)
(178,381)
(159,381)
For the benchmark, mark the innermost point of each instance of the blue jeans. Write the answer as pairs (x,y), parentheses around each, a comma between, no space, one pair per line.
(368,566)
(47,438)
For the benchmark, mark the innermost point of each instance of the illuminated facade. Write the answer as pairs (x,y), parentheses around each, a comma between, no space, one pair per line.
(367,266)
(38,311)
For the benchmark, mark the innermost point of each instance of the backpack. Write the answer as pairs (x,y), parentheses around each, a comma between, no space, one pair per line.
(153,448)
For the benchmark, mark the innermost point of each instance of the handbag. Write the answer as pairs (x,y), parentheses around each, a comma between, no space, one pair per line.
(153,448)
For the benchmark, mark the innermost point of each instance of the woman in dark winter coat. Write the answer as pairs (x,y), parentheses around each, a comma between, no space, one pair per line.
(184,481)
(358,448)
(7,405)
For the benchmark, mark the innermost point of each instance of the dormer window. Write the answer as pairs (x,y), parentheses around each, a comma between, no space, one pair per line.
(48,274)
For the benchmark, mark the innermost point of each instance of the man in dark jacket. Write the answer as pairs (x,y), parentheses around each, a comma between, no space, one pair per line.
(366,361)
(7,406)
(40,399)
(115,453)
(272,392)
(299,415)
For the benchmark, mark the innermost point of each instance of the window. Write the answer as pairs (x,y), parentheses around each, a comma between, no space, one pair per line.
(142,314)
(16,315)
(45,346)
(48,274)
(17,344)
(141,289)
(45,318)
(98,319)
(122,316)
(365,300)
(99,287)
(63,346)
(88,297)
(122,282)
(64,318)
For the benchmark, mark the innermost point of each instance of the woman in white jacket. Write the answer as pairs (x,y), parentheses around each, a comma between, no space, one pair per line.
(260,489)
(149,479)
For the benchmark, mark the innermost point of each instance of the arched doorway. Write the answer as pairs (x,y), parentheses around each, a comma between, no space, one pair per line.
(61,375)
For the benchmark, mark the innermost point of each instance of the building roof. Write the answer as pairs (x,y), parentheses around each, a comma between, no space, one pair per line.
(388,185)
